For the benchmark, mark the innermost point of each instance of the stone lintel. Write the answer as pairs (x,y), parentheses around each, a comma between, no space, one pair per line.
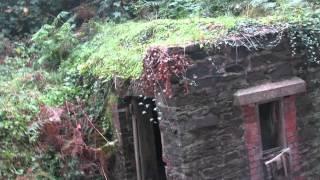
(269,91)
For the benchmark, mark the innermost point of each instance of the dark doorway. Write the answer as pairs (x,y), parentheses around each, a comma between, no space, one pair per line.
(270,124)
(147,140)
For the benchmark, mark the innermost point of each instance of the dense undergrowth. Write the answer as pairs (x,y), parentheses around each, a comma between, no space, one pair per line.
(57,84)
(36,102)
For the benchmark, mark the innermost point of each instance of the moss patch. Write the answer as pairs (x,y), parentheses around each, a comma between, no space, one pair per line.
(118,49)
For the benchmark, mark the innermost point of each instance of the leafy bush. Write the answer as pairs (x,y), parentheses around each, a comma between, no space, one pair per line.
(175,9)
(24,88)
(18,17)
(54,42)
(304,35)
(116,10)
(67,132)
(18,106)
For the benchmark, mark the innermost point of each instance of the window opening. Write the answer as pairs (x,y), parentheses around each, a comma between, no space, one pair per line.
(270,125)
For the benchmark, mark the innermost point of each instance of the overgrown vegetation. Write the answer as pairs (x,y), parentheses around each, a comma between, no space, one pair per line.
(34,96)
(25,16)
(55,84)
(104,60)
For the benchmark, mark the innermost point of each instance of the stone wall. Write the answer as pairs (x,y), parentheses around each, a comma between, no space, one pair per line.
(308,114)
(124,167)
(203,132)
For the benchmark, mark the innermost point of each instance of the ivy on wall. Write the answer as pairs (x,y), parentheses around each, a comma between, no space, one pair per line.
(304,35)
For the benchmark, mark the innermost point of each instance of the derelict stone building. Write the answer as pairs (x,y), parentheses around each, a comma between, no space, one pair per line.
(251,113)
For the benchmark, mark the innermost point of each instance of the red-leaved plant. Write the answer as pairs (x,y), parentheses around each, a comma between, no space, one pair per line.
(69,130)
(159,66)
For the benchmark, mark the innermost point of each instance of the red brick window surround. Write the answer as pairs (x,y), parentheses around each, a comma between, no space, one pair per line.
(259,104)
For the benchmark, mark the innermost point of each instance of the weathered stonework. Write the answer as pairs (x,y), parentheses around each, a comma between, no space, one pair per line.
(124,167)
(205,132)
(211,129)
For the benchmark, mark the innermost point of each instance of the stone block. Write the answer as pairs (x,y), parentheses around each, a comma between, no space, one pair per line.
(269,91)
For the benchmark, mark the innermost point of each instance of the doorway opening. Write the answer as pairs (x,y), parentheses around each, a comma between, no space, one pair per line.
(147,140)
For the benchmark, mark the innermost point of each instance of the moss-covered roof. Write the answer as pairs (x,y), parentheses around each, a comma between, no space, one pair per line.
(118,49)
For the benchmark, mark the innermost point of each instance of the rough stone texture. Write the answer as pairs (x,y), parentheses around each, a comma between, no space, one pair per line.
(204,133)
(124,167)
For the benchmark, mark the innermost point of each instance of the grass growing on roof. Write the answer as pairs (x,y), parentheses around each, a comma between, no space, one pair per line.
(118,49)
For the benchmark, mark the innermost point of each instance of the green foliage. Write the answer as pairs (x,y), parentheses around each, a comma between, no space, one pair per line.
(118,49)
(54,42)
(51,166)
(18,17)
(304,35)
(176,9)
(213,8)
(18,106)
(22,90)
(82,61)
(179,9)
(115,9)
